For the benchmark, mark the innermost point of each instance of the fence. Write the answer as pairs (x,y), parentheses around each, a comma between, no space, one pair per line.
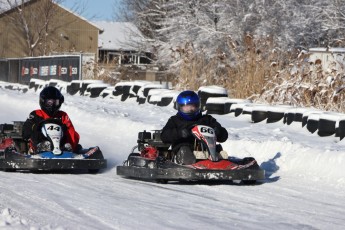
(21,70)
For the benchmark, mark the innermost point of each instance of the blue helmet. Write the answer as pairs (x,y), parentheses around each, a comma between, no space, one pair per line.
(188,97)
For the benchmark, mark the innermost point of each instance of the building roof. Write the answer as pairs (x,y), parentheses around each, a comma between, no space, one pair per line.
(119,36)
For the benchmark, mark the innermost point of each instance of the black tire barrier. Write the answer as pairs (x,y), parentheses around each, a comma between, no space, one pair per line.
(312,125)
(118,90)
(238,111)
(308,114)
(141,100)
(289,117)
(215,108)
(95,92)
(304,120)
(135,89)
(126,89)
(105,94)
(152,100)
(298,116)
(83,87)
(326,127)
(258,115)
(248,112)
(73,88)
(36,86)
(218,112)
(204,95)
(273,117)
(341,129)
(124,97)
(165,101)
(227,107)
(147,90)
(31,84)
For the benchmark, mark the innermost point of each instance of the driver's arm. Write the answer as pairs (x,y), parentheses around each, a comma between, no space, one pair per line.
(29,125)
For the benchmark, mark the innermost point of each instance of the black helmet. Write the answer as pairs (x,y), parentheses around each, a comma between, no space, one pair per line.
(188,97)
(51,100)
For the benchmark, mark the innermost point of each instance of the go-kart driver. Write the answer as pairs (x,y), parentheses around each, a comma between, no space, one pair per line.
(50,101)
(177,130)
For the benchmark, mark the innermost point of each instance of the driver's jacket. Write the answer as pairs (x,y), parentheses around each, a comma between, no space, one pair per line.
(171,132)
(32,134)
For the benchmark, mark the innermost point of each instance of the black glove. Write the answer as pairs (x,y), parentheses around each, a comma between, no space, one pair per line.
(185,133)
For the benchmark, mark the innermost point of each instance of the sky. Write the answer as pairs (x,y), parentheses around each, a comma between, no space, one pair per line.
(95,10)
(303,187)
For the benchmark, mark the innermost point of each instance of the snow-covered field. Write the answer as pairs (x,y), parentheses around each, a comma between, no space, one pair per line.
(304,186)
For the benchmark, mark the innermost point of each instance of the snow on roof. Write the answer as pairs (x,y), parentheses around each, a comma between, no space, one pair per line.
(213,89)
(119,36)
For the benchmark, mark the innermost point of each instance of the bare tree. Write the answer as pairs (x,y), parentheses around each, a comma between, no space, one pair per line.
(36,25)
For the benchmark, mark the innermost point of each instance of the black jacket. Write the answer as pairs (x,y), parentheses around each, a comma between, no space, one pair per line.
(171,132)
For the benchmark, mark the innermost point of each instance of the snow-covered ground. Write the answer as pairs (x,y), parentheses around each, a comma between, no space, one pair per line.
(304,186)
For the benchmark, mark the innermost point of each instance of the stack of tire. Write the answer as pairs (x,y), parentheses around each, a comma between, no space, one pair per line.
(85,83)
(276,113)
(143,92)
(155,95)
(237,108)
(329,124)
(259,113)
(217,105)
(74,87)
(95,89)
(206,92)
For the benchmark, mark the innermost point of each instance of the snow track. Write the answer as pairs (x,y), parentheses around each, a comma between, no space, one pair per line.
(304,188)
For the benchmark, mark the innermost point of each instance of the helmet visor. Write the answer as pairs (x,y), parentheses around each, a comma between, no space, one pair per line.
(49,103)
(189,108)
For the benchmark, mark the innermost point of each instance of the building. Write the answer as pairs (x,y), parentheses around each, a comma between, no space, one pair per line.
(329,58)
(48,29)
(122,43)
(41,29)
